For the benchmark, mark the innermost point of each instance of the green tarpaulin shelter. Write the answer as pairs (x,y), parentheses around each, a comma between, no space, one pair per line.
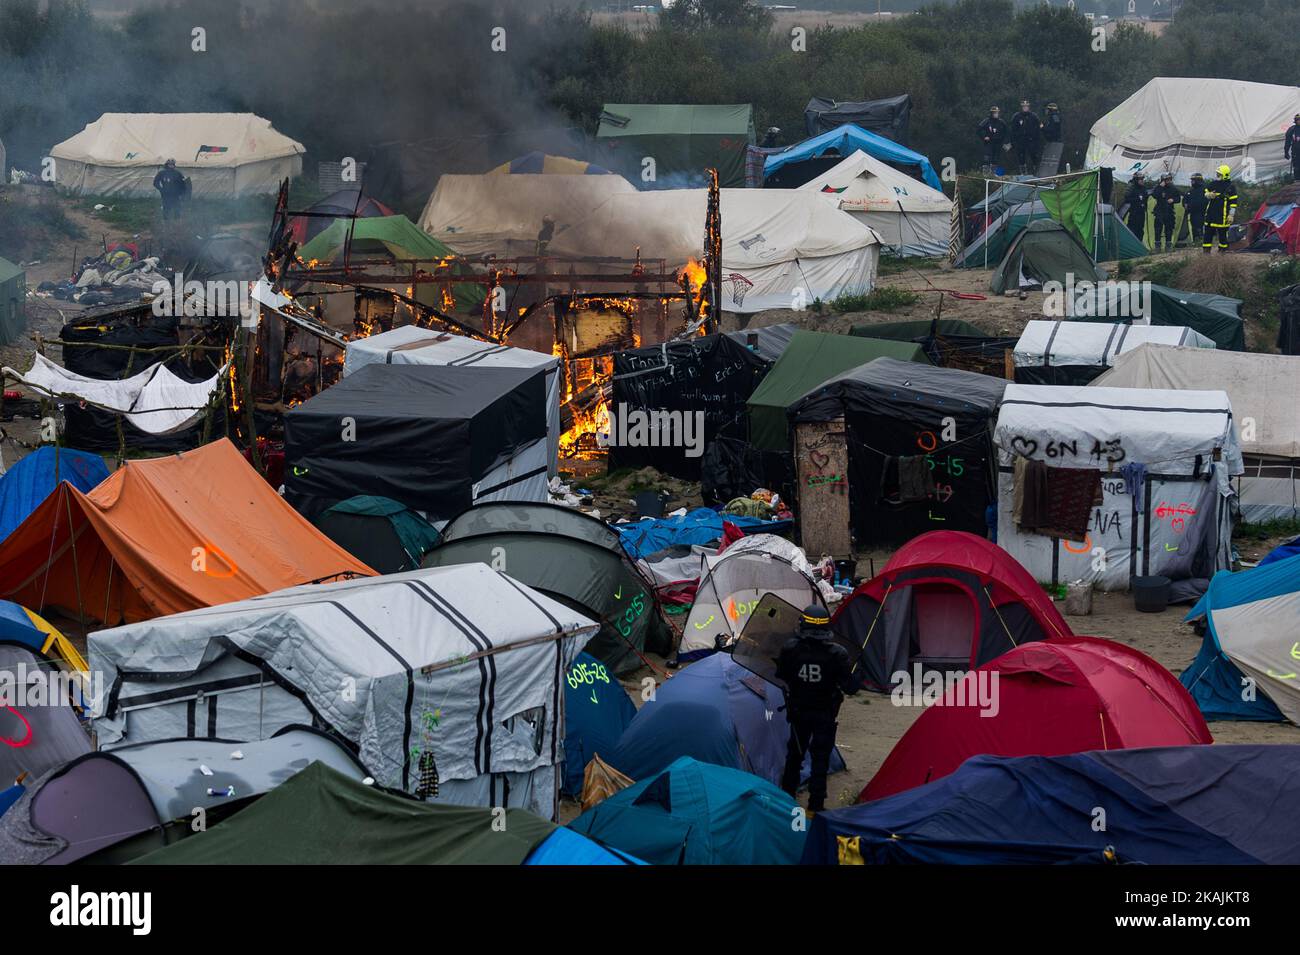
(1044,252)
(910,331)
(810,359)
(399,237)
(13,298)
(680,139)
(1073,203)
(1215,316)
(321,817)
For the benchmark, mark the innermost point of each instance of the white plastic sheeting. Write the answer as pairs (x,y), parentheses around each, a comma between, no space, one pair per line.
(1183,125)
(1187,443)
(1265,395)
(155,401)
(1096,343)
(458,662)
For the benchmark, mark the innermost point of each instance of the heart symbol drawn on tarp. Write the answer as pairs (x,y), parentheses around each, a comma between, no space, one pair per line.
(820,459)
(1025,447)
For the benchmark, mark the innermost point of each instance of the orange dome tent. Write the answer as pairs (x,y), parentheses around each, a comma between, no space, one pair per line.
(165,535)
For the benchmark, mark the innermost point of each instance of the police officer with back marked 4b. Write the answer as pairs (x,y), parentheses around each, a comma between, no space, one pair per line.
(815,669)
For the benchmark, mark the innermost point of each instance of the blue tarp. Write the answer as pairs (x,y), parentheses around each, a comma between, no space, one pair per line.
(1175,805)
(10,796)
(566,847)
(698,814)
(714,711)
(845,139)
(1290,548)
(596,711)
(700,526)
(29,482)
(1213,680)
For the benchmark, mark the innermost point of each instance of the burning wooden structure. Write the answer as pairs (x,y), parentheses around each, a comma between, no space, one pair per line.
(583,310)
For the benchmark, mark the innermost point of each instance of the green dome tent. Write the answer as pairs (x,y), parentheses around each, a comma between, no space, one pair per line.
(392,537)
(1044,252)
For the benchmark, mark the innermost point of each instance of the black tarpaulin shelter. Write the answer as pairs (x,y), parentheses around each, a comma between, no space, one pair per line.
(895,411)
(435,438)
(886,117)
(715,374)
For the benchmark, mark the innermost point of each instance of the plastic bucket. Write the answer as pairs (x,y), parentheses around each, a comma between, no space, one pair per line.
(1151,594)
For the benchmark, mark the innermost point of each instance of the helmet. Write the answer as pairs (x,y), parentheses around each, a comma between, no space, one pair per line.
(994,109)
(170,162)
(814,617)
(1225,172)
(1197,175)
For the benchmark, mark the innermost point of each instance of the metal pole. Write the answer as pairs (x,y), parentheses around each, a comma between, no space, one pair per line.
(989,225)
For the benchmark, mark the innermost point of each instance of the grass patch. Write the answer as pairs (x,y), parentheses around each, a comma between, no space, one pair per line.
(1163,271)
(883,299)
(1266,530)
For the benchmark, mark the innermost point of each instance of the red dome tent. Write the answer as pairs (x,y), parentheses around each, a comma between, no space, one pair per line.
(339,205)
(946,600)
(1051,698)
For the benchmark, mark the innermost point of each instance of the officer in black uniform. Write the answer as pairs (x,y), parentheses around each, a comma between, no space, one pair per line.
(1136,201)
(1026,136)
(1195,202)
(1166,196)
(992,133)
(815,670)
(1291,148)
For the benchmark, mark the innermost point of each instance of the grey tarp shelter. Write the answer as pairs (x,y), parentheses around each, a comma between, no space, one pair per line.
(887,117)
(1043,252)
(108,807)
(41,735)
(13,297)
(446,681)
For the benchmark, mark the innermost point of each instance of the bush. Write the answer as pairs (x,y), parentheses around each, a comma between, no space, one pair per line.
(883,299)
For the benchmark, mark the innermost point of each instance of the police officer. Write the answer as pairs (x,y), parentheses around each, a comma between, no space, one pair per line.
(1166,196)
(1220,210)
(1026,136)
(1195,202)
(1136,201)
(1291,148)
(171,186)
(815,669)
(993,133)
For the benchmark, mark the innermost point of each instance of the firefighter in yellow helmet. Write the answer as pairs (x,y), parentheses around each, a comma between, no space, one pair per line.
(1220,210)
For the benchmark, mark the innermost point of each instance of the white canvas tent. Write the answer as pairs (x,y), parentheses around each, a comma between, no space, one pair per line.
(411,345)
(1074,353)
(1177,524)
(779,246)
(1265,395)
(732,583)
(225,155)
(1183,125)
(449,673)
(502,215)
(910,217)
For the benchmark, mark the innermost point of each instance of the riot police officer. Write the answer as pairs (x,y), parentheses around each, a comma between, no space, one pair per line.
(815,670)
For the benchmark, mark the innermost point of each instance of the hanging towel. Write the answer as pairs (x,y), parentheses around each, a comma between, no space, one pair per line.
(915,479)
(1135,478)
